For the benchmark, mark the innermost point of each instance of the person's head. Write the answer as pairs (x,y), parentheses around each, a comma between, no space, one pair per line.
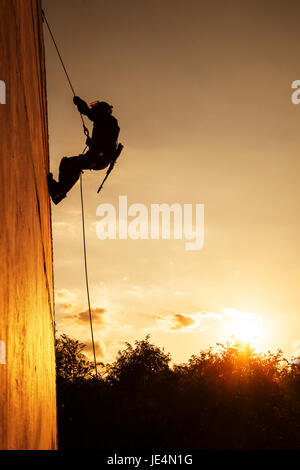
(100,107)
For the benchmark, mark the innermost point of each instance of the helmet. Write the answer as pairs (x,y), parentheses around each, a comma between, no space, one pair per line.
(100,106)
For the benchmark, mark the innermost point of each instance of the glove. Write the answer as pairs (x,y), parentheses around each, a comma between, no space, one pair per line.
(76,100)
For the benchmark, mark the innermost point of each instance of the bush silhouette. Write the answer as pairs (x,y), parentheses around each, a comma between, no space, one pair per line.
(224,398)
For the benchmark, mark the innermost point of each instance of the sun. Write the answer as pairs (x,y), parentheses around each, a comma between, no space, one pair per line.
(243,326)
(246,330)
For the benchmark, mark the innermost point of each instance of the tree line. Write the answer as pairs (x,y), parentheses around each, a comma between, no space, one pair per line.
(228,397)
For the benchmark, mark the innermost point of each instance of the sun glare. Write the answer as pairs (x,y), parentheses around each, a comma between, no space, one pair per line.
(243,326)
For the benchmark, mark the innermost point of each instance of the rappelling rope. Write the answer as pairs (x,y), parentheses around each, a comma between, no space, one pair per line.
(86,131)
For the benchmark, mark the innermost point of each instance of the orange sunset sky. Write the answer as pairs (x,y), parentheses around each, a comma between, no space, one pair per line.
(202,92)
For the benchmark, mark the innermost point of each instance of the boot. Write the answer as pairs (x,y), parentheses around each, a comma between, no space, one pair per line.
(55,190)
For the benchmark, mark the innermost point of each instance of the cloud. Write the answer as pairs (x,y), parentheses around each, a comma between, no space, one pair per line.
(99,350)
(208,315)
(196,321)
(83,318)
(182,321)
(179,321)
(65,296)
(68,307)
(63,228)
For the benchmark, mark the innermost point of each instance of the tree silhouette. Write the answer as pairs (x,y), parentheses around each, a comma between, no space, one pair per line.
(138,364)
(71,364)
(228,397)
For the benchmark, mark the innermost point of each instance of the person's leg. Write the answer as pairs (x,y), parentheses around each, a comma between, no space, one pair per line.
(70,169)
(55,189)
(69,173)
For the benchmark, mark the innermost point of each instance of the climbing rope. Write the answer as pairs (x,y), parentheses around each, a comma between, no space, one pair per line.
(86,132)
(86,274)
(85,129)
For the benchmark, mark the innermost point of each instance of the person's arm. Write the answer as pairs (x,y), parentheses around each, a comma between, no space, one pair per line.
(82,107)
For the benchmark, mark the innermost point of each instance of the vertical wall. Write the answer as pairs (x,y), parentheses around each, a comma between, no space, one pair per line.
(27,380)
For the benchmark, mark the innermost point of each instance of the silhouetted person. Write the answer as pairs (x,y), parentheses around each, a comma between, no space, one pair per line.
(102,148)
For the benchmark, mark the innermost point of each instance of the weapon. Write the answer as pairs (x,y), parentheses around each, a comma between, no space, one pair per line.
(111,165)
